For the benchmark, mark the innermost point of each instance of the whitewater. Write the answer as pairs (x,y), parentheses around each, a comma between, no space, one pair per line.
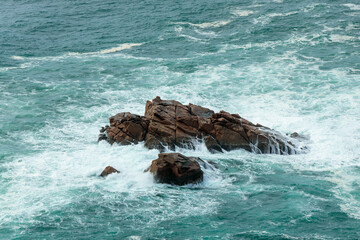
(66,67)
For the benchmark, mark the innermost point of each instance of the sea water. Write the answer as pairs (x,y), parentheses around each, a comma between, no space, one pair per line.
(67,66)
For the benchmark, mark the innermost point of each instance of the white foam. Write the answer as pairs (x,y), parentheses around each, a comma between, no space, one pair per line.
(4,69)
(330,29)
(334,139)
(119,48)
(272,93)
(265,19)
(346,181)
(179,30)
(214,24)
(207,33)
(17,58)
(46,181)
(341,38)
(195,39)
(282,14)
(351,26)
(353,7)
(242,13)
(106,53)
(134,237)
(294,39)
(256,5)
(21,66)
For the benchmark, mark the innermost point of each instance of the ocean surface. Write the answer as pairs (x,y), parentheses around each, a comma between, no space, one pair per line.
(67,66)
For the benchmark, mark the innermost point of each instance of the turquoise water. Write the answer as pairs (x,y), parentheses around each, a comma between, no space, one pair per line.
(66,66)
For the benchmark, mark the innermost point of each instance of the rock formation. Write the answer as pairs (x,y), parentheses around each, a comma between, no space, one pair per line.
(175,168)
(108,170)
(168,123)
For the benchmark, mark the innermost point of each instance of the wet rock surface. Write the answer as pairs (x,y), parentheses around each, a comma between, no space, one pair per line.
(175,168)
(108,170)
(168,123)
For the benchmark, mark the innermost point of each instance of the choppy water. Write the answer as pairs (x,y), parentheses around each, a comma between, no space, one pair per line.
(66,66)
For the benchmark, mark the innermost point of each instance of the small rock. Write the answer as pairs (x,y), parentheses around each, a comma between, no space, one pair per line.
(175,168)
(108,170)
(102,136)
(299,136)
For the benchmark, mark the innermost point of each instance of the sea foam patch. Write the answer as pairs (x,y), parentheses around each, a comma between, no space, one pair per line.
(341,38)
(17,58)
(119,48)
(265,19)
(214,24)
(353,7)
(241,12)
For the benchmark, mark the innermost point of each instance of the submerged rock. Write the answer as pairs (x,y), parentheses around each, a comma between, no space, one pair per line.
(108,170)
(168,123)
(175,168)
(299,137)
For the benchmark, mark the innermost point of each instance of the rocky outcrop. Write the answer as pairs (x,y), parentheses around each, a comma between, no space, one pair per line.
(125,128)
(108,170)
(168,123)
(175,168)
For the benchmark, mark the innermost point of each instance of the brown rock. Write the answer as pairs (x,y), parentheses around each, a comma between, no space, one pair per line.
(186,126)
(168,123)
(200,111)
(175,168)
(162,125)
(108,170)
(212,145)
(126,128)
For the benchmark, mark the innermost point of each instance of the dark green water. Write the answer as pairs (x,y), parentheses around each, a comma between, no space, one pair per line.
(66,66)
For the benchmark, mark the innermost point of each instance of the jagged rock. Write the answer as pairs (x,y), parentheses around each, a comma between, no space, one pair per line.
(162,124)
(168,123)
(127,128)
(103,133)
(212,145)
(108,170)
(175,168)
